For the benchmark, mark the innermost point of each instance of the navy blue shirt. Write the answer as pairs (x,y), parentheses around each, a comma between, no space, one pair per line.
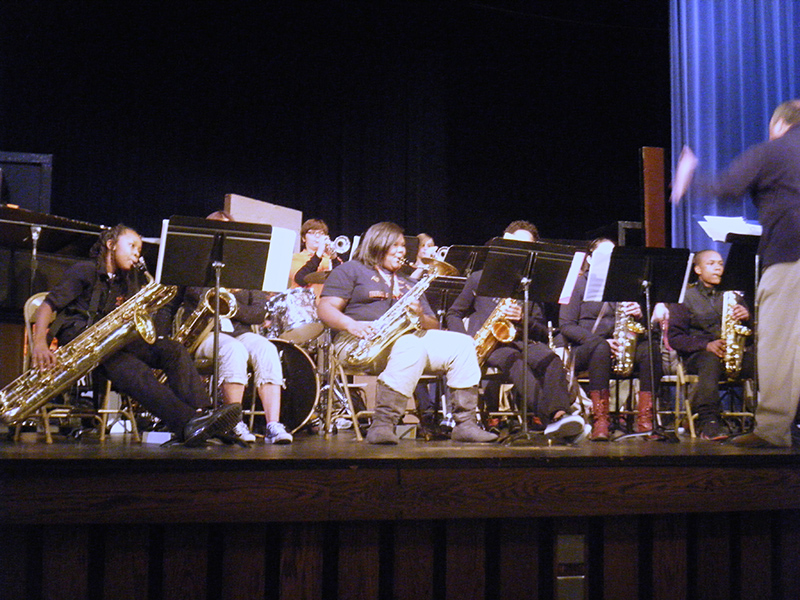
(770,172)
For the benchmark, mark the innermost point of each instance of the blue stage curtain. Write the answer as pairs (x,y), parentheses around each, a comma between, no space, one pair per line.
(733,62)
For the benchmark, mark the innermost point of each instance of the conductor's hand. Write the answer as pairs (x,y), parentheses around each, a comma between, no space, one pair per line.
(684,170)
(717,347)
(42,357)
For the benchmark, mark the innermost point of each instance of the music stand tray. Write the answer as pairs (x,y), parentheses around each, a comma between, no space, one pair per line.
(255,256)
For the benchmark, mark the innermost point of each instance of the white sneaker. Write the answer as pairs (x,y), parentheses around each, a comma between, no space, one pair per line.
(243,433)
(277,434)
(568,426)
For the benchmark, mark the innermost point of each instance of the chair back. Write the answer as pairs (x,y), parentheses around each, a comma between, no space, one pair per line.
(31,306)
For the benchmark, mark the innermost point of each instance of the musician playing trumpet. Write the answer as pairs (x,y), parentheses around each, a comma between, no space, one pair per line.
(317,255)
(358,293)
(548,396)
(695,332)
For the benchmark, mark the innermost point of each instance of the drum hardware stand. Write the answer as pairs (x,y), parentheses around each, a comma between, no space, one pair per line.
(333,385)
(336,372)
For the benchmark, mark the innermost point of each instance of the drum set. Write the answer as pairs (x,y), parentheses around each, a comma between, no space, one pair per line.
(303,344)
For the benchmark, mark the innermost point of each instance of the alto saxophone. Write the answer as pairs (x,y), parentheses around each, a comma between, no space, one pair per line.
(626,332)
(495,329)
(734,334)
(31,390)
(360,353)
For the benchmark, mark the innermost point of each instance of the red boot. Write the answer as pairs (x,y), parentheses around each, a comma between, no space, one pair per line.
(600,415)
(644,412)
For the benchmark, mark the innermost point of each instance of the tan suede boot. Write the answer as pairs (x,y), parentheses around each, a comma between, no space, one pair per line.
(600,415)
(389,408)
(465,401)
(644,412)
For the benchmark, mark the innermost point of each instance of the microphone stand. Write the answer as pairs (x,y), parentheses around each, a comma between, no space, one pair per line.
(217,265)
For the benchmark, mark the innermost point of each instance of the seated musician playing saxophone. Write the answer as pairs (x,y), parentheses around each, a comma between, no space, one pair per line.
(589,328)
(238,346)
(544,370)
(695,332)
(92,289)
(358,294)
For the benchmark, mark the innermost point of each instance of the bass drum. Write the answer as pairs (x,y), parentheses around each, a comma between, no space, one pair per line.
(301,387)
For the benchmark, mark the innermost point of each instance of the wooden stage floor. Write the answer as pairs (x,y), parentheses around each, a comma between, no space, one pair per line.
(339,478)
(337,518)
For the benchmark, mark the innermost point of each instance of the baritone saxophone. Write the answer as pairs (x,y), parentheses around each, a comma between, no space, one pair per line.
(32,390)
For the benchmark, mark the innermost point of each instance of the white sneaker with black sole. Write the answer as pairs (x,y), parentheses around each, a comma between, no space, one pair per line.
(277,434)
(241,432)
(565,429)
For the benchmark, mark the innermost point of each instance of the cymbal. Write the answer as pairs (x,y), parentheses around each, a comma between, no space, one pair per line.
(445,269)
(316,277)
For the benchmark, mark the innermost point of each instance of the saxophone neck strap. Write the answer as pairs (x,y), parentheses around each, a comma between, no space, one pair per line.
(602,312)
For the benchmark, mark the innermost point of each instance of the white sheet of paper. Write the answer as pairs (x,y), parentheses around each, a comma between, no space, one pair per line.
(572,277)
(598,273)
(279,259)
(717,228)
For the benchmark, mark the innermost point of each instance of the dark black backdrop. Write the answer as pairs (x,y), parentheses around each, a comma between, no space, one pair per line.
(447,117)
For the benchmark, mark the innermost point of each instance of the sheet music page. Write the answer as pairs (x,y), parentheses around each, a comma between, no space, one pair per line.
(354,246)
(572,277)
(598,273)
(717,228)
(279,259)
(162,246)
(686,277)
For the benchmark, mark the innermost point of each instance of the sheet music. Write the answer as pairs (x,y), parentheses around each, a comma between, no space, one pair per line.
(598,273)
(279,259)
(162,244)
(717,228)
(688,272)
(572,277)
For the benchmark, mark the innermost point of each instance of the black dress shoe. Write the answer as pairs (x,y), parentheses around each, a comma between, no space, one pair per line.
(208,424)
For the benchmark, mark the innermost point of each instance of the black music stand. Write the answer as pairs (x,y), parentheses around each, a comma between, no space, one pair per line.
(25,229)
(653,275)
(512,269)
(208,253)
(466,258)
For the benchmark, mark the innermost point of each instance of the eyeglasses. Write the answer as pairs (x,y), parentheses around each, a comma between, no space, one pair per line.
(315,233)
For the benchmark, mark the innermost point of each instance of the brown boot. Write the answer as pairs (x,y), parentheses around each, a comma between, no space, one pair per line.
(465,401)
(644,412)
(389,408)
(599,415)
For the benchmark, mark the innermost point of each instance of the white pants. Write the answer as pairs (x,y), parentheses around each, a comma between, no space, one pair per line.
(432,352)
(236,352)
(778,302)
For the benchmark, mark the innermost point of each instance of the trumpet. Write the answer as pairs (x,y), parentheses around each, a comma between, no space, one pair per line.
(441,253)
(340,245)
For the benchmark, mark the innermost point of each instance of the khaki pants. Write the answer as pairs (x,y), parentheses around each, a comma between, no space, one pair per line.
(432,352)
(778,303)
